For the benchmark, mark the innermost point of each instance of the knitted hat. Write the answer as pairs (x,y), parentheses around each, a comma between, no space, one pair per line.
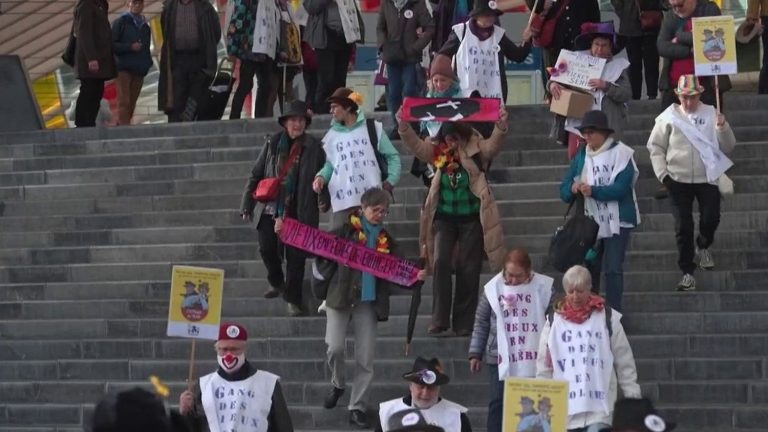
(427,372)
(688,85)
(591,30)
(232,332)
(441,65)
(485,7)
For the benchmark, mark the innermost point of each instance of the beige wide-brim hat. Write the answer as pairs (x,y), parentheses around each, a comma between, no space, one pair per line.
(746,32)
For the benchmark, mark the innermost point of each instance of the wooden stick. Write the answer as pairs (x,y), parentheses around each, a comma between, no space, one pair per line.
(717,93)
(191,365)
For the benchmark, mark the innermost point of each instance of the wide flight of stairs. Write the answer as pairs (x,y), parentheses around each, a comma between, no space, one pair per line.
(94,219)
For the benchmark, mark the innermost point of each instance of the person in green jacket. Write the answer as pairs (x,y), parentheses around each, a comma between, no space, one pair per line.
(359,156)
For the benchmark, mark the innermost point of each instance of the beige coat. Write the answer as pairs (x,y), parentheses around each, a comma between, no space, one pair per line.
(493,234)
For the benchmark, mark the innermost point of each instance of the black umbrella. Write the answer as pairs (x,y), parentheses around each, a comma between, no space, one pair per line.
(413,313)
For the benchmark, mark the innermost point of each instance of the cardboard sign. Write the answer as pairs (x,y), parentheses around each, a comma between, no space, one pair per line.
(347,253)
(195,306)
(576,69)
(535,405)
(714,45)
(451,109)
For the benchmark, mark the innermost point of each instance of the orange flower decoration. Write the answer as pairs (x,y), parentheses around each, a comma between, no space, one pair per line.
(382,240)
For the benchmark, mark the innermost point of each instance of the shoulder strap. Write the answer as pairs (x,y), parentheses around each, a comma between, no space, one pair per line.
(295,152)
(373,136)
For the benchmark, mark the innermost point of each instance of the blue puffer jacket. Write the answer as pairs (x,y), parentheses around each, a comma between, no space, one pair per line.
(124,33)
(621,190)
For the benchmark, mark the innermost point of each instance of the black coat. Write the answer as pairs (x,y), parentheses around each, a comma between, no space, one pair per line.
(570,20)
(305,202)
(124,34)
(94,40)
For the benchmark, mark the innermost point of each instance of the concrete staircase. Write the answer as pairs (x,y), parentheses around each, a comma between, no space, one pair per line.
(94,219)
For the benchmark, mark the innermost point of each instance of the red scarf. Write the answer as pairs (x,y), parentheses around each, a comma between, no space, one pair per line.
(580,314)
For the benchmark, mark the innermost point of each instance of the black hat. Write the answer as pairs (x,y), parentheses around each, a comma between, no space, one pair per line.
(134,410)
(638,415)
(410,420)
(485,7)
(296,108)
(595,119)
(427,372)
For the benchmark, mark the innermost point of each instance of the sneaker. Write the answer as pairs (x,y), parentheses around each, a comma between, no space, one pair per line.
(688,283)
(705,259)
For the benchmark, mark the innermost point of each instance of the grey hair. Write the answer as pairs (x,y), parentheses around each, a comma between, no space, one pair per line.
(375,197)
(577,277)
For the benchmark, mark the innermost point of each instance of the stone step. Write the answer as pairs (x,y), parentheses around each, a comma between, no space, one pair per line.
(400,305)
(151,262)
(679,347)
(669,323)
(730,285)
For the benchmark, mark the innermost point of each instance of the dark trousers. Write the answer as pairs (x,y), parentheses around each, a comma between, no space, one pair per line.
(643,56)
(495,400)
(682,196)
(610,261)
(403,82)
(88,101)
(263,72)
(189,81)
(310,85)
(763,83)
(332,64)
(467,237)
(707,96)
(272,250)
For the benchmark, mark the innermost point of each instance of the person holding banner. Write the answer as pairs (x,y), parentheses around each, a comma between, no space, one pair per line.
(604,173)
(480,47)
(583,342)
(459,212)
(611,91)
(290,158)
(359,156)
(512,305)
(426,377)
(237,396)
(355,297)
(688,144)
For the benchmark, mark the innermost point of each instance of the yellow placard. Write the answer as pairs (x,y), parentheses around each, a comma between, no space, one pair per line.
(195,306)
(535,405)
(714,45)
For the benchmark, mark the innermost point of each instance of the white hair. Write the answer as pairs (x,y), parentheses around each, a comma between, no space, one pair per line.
(577,277)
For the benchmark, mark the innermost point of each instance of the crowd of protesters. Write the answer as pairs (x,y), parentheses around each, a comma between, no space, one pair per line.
(299,176)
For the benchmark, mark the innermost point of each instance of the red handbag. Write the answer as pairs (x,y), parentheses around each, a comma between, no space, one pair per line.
(546,27)
(268,188)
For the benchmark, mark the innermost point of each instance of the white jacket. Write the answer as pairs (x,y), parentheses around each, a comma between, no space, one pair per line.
(672,154)
(624,372)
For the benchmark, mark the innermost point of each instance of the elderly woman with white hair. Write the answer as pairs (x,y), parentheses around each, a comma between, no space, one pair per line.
(584,343)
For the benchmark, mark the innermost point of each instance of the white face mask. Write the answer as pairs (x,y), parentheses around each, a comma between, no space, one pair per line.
(231,363)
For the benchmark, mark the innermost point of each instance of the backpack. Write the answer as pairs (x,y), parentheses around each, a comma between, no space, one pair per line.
(550,314)
(380,158)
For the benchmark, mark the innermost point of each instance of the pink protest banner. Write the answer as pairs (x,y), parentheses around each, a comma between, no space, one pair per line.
(348,253)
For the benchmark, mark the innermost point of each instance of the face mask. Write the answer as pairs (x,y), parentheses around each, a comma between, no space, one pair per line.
(230,362)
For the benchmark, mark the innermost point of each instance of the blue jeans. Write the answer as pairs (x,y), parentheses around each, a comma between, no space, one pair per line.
(495,400)
(610,260)
(403,81)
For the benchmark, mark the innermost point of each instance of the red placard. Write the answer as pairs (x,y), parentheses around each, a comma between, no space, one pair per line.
(451,109)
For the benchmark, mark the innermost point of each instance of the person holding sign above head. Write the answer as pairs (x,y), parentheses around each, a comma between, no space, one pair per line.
(237,396)
(355,297)
(583,342)
(280,186)
(687,146)
(480,47)
(359,156)
(611,91)
(426,377)
(508,321)
(459,210)
(604,174)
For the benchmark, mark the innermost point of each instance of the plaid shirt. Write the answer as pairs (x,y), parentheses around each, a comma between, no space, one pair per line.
(459,200)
